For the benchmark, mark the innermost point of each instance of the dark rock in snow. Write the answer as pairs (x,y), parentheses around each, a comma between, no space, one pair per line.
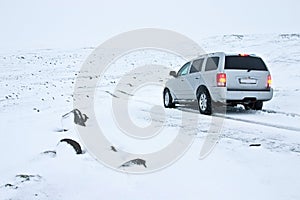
(137,161)
(25,177)
(254,145)
(51,154)
(74,144)
(79,118)
(8,185)
(113,148)
(61,130)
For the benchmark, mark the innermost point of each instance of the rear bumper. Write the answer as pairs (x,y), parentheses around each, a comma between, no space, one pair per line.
(223,95)
(264,95)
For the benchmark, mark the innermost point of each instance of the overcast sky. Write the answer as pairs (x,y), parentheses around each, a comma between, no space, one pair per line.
(31,24)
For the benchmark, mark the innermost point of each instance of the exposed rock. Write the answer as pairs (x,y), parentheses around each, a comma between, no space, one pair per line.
(137,161)
(74,144)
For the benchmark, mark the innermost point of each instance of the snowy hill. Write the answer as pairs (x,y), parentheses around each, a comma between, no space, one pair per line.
(37,90)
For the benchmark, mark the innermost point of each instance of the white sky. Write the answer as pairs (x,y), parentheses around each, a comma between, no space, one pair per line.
(30,24)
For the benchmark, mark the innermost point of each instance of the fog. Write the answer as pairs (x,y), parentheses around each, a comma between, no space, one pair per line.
(36,24)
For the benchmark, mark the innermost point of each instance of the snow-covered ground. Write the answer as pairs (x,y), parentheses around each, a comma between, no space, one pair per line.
(37,90)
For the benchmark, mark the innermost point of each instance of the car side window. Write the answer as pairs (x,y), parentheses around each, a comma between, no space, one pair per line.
(212,63)
(184,69)
(197,65)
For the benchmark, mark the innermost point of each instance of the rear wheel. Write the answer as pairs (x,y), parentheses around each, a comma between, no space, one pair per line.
(168,101)
(204,102)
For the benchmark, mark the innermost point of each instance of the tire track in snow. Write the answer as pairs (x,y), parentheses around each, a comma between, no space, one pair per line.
(280,112)
(190,109)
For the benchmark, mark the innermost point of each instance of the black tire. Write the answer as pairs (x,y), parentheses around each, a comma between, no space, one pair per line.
(204,102)
(168,100)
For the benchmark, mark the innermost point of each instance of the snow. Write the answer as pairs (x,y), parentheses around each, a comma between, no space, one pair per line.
(36,91)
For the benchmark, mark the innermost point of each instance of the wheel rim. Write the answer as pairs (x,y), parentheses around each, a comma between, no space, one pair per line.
(167,98)
(203,102)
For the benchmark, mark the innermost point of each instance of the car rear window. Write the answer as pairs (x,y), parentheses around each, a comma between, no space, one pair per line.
(245,63)
(212,63)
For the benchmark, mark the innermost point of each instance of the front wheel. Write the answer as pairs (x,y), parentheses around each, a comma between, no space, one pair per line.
(168,101)
(204,102)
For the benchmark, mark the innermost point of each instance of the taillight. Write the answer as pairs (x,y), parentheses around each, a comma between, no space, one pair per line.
(269,81)
(221,80)
(243,54)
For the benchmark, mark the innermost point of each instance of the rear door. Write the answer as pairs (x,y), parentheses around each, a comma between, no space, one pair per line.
(245,73)
(195,77)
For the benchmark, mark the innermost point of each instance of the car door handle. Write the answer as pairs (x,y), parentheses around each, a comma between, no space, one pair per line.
(197,78)
(182,79)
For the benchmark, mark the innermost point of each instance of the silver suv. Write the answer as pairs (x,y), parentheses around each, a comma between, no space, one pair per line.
(216,78)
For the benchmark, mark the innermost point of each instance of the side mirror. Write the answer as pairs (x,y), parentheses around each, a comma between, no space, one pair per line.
(173,73)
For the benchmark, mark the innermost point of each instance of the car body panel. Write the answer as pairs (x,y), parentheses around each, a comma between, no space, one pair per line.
(241,85)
